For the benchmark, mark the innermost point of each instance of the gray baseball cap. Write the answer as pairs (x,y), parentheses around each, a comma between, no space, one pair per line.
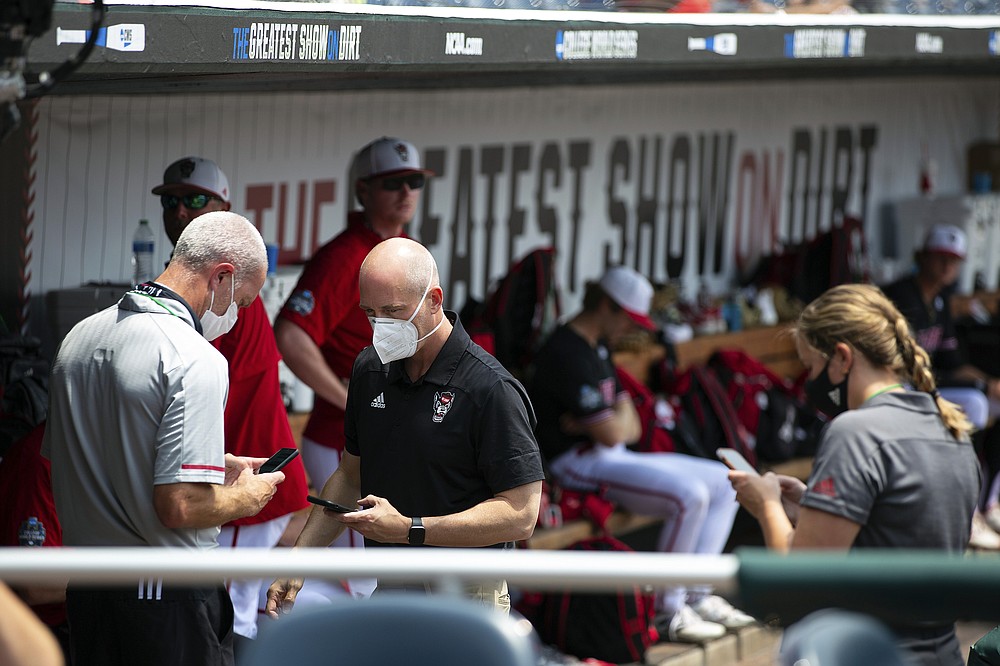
(387,156)
(195,173)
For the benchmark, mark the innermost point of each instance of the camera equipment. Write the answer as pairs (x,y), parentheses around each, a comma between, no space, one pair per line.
(20,22)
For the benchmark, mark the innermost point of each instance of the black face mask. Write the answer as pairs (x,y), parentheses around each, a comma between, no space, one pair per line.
(824,395)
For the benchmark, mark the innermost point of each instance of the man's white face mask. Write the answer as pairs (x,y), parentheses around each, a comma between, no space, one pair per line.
(395,339)
(212,325)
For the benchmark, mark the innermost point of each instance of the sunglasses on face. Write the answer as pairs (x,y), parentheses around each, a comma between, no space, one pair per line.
(414,181)
(191,201)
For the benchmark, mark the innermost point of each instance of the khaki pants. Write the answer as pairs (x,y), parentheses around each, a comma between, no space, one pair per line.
(491,594)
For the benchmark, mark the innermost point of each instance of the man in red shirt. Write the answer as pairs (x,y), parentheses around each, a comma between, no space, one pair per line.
(320,330)
(256,423)
(28,518)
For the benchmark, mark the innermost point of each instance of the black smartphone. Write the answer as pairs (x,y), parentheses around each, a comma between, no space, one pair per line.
(735,461)
(278,460)
(332,506)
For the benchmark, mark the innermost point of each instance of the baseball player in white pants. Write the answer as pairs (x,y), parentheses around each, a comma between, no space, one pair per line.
(584,419)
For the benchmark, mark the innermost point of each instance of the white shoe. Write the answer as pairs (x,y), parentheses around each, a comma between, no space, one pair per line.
(686,626)
(716,609)
(983,536)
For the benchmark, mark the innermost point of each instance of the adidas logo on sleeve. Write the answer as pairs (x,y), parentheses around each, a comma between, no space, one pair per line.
(379,402)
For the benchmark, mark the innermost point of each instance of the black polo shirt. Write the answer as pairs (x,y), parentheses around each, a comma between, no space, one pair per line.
(454,438)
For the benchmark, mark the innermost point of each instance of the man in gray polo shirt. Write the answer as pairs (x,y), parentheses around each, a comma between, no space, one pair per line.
(135,437)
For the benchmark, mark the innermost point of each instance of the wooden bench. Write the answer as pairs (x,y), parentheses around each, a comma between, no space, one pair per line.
(774,346)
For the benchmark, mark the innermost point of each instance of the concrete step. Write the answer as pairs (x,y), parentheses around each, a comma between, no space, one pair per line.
(731,649)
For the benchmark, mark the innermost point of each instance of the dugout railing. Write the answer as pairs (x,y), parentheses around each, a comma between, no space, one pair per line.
(895,585)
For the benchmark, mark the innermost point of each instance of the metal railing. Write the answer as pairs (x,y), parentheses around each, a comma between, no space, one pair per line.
(893,584)
(446,567)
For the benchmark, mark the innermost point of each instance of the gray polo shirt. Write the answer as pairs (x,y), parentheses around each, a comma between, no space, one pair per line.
(137,398)
(892,467)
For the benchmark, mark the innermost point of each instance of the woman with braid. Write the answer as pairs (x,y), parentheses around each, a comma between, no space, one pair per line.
(894,469)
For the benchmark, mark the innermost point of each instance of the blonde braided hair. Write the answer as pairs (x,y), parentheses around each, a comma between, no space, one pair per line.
(861,316)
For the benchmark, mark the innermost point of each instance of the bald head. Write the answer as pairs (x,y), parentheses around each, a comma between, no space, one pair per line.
(399,281)
(402,263)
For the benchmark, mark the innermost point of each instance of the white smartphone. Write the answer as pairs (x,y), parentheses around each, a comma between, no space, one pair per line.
(735,461)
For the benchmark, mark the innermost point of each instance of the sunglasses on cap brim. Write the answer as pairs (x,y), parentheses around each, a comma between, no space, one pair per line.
(191,201)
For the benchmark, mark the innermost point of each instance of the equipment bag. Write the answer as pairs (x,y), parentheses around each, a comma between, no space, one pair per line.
(772,409)
(523,309)
(666,428)
(616,628)
(702,399)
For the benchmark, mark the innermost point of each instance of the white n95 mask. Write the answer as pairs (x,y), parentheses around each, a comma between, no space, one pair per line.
(212,325)
(395,339)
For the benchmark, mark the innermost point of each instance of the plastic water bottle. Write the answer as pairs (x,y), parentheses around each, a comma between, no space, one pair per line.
(142,254)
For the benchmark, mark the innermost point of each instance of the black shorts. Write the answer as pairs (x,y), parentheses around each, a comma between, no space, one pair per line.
(150,624)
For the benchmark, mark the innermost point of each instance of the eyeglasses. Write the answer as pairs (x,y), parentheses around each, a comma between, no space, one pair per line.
(414,181)
(191,201)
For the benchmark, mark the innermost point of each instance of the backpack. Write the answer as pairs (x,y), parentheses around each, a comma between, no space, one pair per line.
(771,409)
(703,402)
(523,309)
(613,627)
(24,388)
(666,428)
(560,505)
(837,256)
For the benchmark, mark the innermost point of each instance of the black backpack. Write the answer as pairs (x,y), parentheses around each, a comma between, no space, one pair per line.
(616,628)
(520,312)
(707,418)
(837,256)
(772,409)
(24,388)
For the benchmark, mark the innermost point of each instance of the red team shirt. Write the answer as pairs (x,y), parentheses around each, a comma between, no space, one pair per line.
(256,423)
(26,492)
(325,306)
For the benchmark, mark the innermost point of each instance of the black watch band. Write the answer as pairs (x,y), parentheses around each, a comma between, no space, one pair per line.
(417,531)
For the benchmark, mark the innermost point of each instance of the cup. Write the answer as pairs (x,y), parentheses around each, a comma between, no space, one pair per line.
(272,258)
(982,182)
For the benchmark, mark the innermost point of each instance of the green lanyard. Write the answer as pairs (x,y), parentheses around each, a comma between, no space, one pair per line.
(169,311)
(885,390)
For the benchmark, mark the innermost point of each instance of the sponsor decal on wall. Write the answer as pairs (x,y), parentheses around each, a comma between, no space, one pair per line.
(597,44)
(296,42)
(457,43)
(825,43)
(126,37)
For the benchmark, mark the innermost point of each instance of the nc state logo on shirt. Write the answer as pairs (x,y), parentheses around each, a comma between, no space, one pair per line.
(442,403)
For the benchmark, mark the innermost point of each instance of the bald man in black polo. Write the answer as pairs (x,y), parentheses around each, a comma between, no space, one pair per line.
(440,446)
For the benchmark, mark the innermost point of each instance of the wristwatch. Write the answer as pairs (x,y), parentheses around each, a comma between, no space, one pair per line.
(417,531)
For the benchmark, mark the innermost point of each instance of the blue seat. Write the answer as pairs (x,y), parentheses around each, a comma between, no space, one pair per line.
(395,629)
(834,637)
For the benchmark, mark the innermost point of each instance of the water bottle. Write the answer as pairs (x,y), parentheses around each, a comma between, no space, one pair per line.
(142,254)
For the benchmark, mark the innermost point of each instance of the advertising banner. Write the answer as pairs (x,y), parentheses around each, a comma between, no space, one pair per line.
(689,182)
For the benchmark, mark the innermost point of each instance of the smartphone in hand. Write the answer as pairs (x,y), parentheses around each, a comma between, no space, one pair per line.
(332,506)
(278,460)
(735,461)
